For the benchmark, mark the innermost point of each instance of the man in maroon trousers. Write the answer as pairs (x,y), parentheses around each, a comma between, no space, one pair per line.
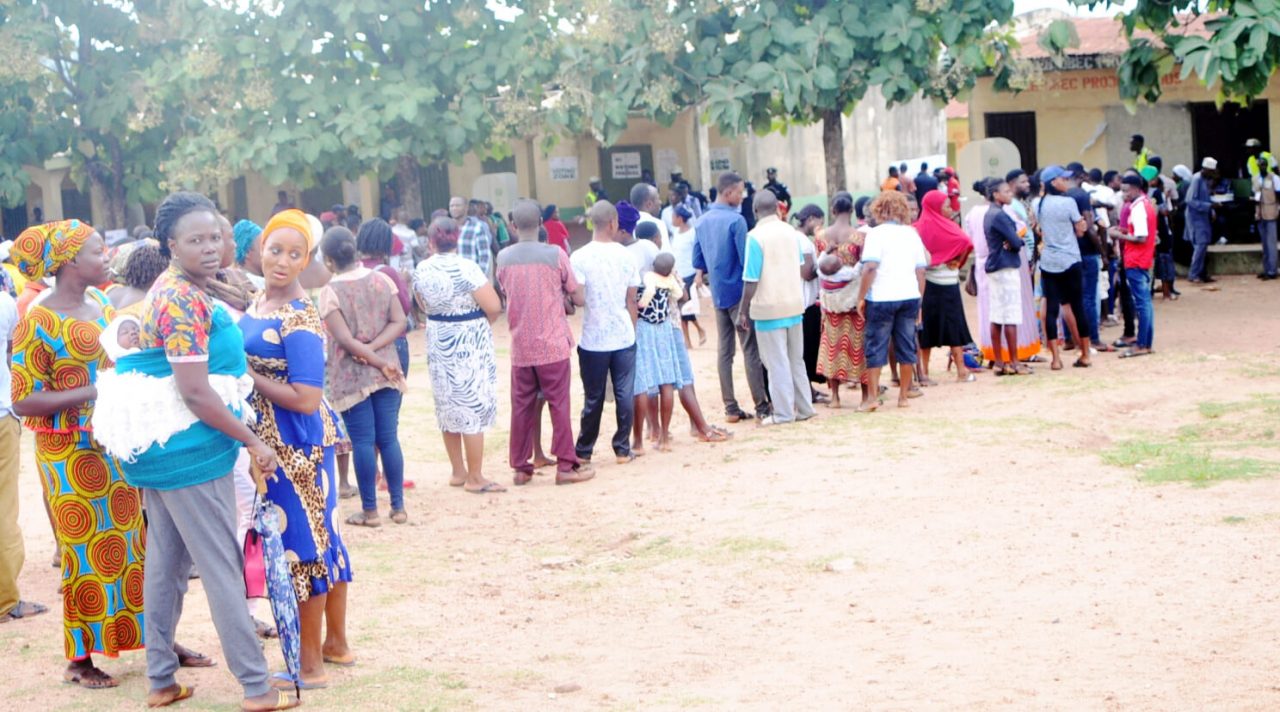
(539,284)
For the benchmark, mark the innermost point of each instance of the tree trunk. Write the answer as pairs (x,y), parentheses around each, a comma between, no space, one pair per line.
(409,176)
(833,151)
(116,207)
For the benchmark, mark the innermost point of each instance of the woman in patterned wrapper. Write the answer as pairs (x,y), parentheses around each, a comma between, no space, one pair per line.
(56,360)
(284,341)
(460,304)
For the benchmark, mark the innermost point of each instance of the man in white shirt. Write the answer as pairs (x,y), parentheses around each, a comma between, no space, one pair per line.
(645,198)
(608,274)
(1266,193)
(12,553)
(774,273)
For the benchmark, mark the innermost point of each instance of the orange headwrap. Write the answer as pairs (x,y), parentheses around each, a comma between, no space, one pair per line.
(292,218)
(42,249)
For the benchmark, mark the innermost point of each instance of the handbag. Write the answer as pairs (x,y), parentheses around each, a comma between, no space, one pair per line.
(255,564)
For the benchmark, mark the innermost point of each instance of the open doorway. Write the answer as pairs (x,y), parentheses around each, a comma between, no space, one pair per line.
(1222,134)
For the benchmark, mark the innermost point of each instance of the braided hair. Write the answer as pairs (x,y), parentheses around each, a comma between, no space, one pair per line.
(144,264)
(174,208)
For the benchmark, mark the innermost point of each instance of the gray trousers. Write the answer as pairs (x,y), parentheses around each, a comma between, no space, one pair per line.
(727,329)
(1267,229)
(782,351)
(198,523)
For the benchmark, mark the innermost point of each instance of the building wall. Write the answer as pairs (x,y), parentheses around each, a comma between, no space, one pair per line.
(876,137)
(1079,117)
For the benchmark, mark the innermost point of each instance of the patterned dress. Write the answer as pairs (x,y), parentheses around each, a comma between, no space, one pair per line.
(842,357)
(460,359)
(287,345)
(98,517)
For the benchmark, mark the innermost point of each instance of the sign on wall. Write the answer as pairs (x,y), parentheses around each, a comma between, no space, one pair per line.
(626,166)
(720,161)
(664,159)
(564,168)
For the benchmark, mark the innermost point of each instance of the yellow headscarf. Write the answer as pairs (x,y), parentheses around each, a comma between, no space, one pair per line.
(295,219)
(43,249)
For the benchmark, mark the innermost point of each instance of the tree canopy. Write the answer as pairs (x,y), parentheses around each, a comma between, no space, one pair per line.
(156,94)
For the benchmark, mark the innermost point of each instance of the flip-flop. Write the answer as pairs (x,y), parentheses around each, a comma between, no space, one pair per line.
(264,630)
(24,609)
(1131,353)
(283,677)
(183,693)
(491,487)
(284,701)
(1081,364)
(340,662)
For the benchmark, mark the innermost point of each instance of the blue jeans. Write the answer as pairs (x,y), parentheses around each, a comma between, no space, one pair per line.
(374,423)
(1089,267)
(402,351)
(594,366)
(1140,288)
(1267,231)
(1114,275)
(896,320)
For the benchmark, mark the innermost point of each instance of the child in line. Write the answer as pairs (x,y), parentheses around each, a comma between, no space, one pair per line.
(657,363)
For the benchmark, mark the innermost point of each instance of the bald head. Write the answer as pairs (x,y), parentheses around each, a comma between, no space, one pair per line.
(526,215)
(765,204)
(645,197)
(605,219)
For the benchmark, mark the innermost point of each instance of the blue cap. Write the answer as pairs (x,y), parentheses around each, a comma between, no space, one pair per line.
(1052,173)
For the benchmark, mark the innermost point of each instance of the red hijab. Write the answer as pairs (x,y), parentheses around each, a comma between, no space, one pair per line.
(944,239)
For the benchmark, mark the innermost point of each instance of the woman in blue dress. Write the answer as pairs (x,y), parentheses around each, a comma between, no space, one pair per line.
(283,338)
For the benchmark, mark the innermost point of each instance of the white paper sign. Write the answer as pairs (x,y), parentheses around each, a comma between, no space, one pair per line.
(720,160)
(626,166)
(564,168)
(664,159)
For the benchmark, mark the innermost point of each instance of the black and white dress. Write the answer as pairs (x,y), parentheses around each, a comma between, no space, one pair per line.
(460,358)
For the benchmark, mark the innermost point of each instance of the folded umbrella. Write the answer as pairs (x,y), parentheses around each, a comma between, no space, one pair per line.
(284,602)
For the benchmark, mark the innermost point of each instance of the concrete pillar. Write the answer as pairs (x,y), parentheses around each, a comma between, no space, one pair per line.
(368,195)
(701,153)
(49,180)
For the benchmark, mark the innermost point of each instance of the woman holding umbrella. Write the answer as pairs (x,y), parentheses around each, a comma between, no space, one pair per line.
(187,485)
(284,340)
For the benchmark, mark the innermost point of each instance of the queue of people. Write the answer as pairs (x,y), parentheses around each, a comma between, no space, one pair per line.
(278,352)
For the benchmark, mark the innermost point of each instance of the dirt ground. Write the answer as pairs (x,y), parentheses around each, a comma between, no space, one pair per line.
(1100,540)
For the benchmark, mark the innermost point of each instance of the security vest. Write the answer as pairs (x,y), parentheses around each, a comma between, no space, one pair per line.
(1141,160)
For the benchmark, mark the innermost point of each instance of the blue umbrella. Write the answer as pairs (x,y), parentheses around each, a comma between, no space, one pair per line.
(284,602)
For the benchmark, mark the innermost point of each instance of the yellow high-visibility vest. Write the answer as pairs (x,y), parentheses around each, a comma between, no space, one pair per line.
(1255,170)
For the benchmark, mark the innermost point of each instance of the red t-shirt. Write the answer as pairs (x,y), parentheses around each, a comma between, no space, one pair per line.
(1141,254)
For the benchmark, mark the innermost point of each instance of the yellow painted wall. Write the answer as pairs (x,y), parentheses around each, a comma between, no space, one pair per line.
(1071,105)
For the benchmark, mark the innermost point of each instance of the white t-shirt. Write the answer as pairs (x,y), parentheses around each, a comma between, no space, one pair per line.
(606,270)
(662,230)
(8,322)
(644,252)
(811,286)
(682,248)
(1138,218)
(1102,194)
(898,252)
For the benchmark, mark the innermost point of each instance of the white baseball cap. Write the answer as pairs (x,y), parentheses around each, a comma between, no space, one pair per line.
(1209,164)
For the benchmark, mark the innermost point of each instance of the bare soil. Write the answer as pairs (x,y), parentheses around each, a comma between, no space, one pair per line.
(1096,539)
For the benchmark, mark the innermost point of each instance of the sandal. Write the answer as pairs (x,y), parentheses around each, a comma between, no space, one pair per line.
(1134,353)
(90,679)
(283,702)
(1081,363)
(522,478)
(167,698)
(399,516)
(24,609)
(489,487)
(347,492)
(283,681)
(188,658)
(264,630)
(714,436)
(364,519)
